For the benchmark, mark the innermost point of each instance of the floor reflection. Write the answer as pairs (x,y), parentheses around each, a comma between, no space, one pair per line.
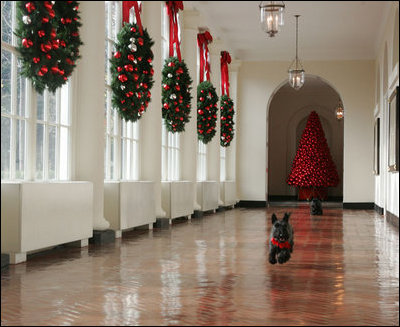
(344,270)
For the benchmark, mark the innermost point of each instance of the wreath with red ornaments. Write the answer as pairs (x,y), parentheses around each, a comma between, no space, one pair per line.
(227,122)
(132,72)
(49,41)
(207,99)
(175,94)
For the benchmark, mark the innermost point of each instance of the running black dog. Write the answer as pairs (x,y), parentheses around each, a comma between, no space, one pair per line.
(281,241)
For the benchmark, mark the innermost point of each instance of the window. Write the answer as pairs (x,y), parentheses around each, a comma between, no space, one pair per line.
(170,144)
(35,129)
(202,162)
(222,163)
(121,155)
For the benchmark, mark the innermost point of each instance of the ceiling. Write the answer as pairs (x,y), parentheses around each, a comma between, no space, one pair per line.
(328,30)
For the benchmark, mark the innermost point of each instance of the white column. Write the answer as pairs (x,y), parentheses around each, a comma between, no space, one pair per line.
(150,145)
(89,112)
(213,148)
(231,149)
(189,21)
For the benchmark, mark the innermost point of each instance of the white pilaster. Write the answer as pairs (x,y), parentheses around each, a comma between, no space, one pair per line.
(89,111)
(213,148)
(151,120)
(189,49)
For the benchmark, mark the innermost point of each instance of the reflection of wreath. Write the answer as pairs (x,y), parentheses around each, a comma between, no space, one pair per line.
(206,111)
(175,94)
(132,72)
(227,122)
(48,41)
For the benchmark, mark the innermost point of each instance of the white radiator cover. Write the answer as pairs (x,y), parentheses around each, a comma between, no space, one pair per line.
(36,215)
(207,195)
(129,204)
(177,198)
(228,193)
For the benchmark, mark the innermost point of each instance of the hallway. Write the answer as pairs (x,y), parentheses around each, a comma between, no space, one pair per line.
(214,270)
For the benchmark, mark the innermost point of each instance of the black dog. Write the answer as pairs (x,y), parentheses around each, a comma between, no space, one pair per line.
(281,242)
(315,207)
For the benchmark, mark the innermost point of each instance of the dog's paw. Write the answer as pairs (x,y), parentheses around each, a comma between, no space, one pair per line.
(283,257)
(272,260)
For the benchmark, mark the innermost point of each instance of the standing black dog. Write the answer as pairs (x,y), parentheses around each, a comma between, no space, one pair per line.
(281,242)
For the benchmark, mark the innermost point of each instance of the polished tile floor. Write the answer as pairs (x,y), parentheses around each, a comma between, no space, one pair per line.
(215,271)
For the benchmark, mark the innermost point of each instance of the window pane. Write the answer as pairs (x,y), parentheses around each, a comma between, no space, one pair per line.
(40,106)
(5,80)
(52,110)
(64,104)
(112,158)
(5,147)
(64,153)
(52,152)
(6,21)
(21,81)
(20,149)
(39,151)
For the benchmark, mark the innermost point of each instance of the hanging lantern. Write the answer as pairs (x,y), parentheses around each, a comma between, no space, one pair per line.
(271,16)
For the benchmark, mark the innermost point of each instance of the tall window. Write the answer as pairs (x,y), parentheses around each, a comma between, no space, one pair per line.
(121,155)
(170,144)
(35,129)
(223,163)
(201,162)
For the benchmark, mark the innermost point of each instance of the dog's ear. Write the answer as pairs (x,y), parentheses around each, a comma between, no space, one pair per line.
(274,218)
(286,216)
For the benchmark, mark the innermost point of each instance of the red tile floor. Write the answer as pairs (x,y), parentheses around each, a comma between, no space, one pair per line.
(214,270)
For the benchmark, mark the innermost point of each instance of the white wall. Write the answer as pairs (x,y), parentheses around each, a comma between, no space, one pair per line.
(387,78)
(353,80)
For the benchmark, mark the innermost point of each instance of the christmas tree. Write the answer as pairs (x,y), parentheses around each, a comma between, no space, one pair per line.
(313,166)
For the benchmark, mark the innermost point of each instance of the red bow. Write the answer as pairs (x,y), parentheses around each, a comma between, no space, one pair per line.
(280,245)
(126,6)
(225,60)
(203,39)
(172,10)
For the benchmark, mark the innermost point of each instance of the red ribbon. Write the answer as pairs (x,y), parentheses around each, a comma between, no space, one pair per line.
(203,39)
(280,245)
(126,6)
(225,60)
(172,9)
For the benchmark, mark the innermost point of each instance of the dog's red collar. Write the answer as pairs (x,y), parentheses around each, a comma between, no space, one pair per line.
(280,245)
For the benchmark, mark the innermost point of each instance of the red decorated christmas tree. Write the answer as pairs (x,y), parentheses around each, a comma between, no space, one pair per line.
(313,168)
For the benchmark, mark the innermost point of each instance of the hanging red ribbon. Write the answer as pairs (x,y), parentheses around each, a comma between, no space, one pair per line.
(172,9)
(225,60)
(203,39)
(126,6)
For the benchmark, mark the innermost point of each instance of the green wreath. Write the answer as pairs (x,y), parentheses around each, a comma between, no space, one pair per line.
(132,72)
(48,41)
(175,94)
(227,122)
(206,111)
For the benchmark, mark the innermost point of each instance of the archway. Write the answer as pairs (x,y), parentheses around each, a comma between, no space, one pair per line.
(288,111)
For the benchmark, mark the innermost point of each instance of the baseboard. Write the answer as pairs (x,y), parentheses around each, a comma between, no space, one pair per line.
(252,204)
(378,209)
(392,219)
(358,205)
(286,198)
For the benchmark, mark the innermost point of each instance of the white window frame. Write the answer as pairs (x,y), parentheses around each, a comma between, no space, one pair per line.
(122,139)
(170,142)
(29,119)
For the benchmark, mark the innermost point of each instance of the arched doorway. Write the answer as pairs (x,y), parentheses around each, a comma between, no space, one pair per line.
(288,111)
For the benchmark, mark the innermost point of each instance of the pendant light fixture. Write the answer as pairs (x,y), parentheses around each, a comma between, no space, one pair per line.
(271,16)
(296,71)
